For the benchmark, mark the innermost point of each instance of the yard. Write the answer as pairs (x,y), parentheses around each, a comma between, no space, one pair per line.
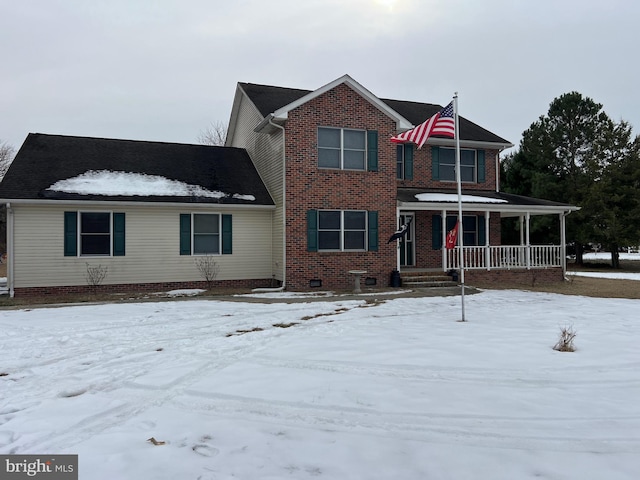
(337,389)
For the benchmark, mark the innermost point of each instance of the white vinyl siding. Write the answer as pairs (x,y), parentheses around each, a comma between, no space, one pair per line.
(152,242)
(266,151)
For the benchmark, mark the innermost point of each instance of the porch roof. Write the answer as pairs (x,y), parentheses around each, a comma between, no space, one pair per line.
(507,204)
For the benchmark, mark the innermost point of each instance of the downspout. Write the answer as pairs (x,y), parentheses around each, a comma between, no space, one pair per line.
(10,244)
(563,242)
(398,242)
(284,216)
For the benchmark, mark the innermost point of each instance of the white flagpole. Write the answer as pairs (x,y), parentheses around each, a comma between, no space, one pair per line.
(459,182)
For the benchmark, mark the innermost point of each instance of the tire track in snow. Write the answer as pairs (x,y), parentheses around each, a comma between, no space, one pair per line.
(523,378)
(469,430)
(141,397)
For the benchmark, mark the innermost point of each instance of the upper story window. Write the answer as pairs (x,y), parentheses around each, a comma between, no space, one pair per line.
(472,165)
(342,148)
(448,165)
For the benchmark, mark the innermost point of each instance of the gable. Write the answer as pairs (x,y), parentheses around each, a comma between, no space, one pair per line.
(51,166)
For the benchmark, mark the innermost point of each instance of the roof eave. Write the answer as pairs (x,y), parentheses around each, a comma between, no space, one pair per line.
(508,209)
(450,142)
(221,206)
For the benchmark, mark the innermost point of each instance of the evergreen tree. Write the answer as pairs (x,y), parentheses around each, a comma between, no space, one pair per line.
(560,157)
(614,200)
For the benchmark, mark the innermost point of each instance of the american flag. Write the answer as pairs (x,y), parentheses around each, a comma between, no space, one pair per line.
(442,123)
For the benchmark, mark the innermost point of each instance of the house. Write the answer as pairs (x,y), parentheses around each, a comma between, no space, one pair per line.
(307,188)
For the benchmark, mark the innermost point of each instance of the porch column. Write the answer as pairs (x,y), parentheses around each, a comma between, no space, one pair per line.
(563,244)
(521,217)
(528,242)
(487,252)
(397,242)
(443,215)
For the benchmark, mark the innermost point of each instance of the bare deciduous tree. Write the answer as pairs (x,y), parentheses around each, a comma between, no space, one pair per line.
(6,157)
(215,134)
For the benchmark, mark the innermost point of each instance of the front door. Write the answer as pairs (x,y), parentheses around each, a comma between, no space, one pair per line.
(407,244)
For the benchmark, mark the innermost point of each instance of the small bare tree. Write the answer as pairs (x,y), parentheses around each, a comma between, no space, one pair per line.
(95,276)
(215,134)
(6,157)
(208,268)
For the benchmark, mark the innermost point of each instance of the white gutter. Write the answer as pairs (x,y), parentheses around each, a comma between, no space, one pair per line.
(445,142)
(194,205)
(489,207)
(10,244)
(284,214)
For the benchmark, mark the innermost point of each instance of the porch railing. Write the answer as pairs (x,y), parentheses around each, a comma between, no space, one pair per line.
(505,257)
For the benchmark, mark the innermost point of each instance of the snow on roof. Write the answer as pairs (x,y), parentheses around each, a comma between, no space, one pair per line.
(105,182)
(452,197)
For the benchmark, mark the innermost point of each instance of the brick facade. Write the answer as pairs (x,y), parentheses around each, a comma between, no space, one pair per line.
(310,187)
(514,277)
(36,292)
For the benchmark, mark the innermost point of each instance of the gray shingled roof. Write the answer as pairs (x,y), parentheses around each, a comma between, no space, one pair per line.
(45,159)
(268,99)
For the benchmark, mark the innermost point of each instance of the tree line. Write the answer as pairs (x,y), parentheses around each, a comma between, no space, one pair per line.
(577,154)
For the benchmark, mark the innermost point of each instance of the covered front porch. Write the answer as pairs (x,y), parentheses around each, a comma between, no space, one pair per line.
(432,214)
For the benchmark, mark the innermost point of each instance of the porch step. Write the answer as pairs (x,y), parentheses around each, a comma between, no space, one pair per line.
(426,280)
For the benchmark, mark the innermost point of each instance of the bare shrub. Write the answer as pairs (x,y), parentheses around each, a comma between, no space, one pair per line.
(95,276)
(208,268)
(565,342)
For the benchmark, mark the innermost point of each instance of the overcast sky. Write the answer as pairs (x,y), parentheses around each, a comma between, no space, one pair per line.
(165,69)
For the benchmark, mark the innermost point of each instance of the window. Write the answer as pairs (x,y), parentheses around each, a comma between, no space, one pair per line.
(342,230)
(342,148)
(470,230)
(404,161)
(94,234)
(448,165)
(205,234)
(472,165)
(473,229)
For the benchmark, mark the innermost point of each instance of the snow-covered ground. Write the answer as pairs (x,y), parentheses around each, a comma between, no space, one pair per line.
(606,257)
(351,390)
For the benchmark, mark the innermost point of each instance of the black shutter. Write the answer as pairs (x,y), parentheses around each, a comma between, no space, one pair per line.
(436,231)
(435,163)
(372,150)
(185,234)
(118,235)
(373,231)
(227,235)
(312,230)
(70,234)
(408,161)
